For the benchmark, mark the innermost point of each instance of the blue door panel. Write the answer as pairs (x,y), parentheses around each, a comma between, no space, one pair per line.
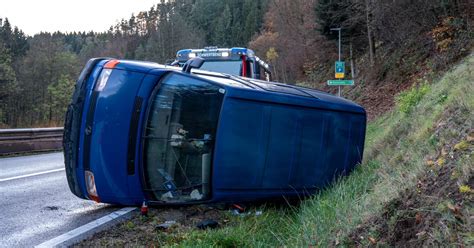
(310,166)
(280,152)
(336,147)
(357,140)
(241,141)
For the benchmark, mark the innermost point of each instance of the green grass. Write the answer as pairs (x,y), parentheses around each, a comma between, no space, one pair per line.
(407,100)
(396,147)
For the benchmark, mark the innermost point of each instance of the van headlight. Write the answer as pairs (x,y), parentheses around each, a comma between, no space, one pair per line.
(103,78)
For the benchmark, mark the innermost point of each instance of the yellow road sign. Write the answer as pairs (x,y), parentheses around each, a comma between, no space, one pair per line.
(339,75)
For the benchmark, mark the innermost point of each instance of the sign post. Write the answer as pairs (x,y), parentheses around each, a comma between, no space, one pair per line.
(340,71)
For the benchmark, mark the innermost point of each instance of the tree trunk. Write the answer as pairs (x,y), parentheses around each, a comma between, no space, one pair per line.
(370,36)
(353,73)
(50,110)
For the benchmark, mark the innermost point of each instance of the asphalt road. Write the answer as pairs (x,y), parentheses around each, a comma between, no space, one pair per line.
(36,204)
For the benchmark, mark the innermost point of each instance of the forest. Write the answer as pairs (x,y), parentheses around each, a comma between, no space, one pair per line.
(382,42)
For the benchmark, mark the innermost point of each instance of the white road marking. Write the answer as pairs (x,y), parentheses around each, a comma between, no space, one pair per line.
(75,236)
(31,175)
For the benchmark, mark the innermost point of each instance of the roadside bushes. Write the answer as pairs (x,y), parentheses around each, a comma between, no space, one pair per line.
(406,100)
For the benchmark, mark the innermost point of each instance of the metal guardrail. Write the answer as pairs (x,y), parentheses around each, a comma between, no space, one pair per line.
(23,140)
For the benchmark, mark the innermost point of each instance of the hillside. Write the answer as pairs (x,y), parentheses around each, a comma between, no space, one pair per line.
(415,187)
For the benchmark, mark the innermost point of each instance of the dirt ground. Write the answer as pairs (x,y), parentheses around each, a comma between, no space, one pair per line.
(144,231)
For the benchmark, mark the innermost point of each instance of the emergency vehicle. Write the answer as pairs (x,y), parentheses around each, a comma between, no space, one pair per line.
(235,61)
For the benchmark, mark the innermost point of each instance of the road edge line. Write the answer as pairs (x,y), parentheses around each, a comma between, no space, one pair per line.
(83,232)
(30,175)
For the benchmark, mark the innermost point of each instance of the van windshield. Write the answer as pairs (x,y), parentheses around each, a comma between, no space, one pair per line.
(179,138)
(232,67)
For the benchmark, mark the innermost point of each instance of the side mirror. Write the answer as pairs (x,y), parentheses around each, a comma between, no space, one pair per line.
(174,63)
(169,61)
(193,63)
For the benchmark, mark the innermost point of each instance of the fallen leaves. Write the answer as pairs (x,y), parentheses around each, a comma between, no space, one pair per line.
(444,152)
(430,163)
(418,218)
(455,209)
(461,146)
(465,189)
(372,240)
(441,161)
(470,137)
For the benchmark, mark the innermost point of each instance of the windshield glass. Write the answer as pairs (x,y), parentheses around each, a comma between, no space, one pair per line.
(232,67)
(179,138)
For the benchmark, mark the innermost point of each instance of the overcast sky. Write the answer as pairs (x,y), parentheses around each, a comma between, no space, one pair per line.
(34,16)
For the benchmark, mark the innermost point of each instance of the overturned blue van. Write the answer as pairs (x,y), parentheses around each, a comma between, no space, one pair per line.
(140,131)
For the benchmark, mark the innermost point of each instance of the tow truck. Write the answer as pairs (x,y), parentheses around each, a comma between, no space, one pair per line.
(235,61)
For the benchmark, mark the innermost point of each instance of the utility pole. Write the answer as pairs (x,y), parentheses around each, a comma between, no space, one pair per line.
(339,69)
(339,30)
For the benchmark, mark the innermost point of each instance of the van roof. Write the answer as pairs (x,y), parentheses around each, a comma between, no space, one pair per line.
(248,84)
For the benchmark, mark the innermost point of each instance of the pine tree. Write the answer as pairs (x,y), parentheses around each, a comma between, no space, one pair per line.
(7,84)
(224,23)
(251,20)
(60,93)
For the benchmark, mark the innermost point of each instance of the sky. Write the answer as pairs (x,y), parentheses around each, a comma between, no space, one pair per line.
(34,16)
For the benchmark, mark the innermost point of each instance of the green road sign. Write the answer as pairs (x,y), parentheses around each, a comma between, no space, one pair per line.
(340,67)
(340,82)
(340,71)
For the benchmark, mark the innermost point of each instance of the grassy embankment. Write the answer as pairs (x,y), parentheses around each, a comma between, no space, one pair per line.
(430,133)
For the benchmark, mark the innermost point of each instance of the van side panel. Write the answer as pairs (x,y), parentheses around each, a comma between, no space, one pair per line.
(276,148)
